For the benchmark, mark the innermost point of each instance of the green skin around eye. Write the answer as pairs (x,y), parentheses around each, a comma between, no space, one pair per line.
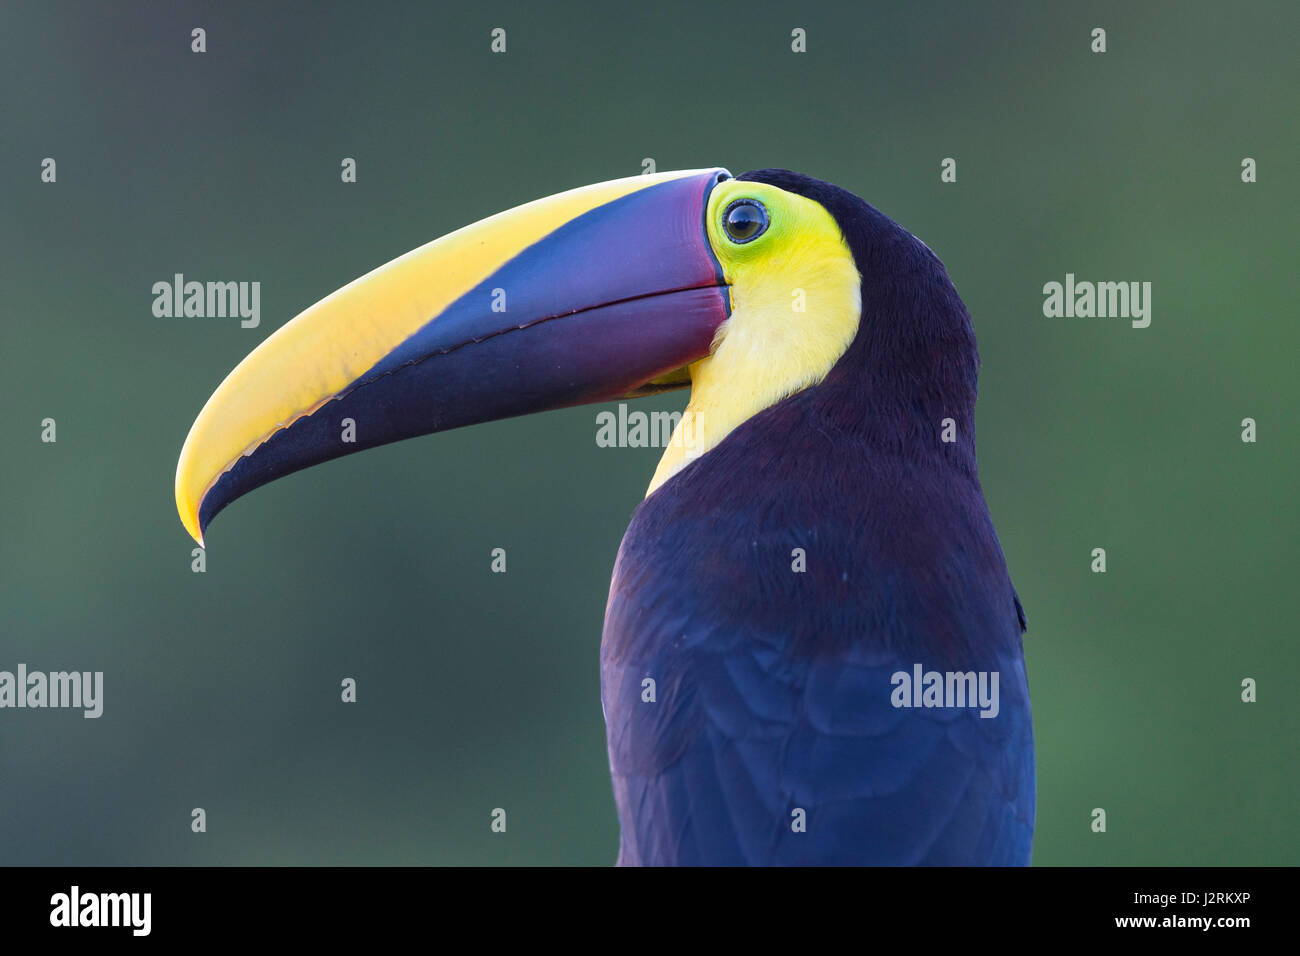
(783,214)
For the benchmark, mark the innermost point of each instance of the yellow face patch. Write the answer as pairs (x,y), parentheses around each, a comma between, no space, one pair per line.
(795,307)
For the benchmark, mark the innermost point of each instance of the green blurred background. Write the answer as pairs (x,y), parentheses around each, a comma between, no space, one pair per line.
(479,690)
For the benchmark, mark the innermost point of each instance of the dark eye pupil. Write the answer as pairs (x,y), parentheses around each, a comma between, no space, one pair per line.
(744,220)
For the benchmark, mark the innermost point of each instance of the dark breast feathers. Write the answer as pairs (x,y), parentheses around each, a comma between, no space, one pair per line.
(773,698)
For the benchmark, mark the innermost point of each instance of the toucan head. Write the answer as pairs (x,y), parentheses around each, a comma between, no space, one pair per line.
(746,289)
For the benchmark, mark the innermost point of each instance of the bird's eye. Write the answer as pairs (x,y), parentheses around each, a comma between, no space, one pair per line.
(745,220)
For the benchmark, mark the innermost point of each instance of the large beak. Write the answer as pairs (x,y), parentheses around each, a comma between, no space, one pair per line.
(592,294)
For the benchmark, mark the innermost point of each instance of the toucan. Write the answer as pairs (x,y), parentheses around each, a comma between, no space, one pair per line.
(812,651)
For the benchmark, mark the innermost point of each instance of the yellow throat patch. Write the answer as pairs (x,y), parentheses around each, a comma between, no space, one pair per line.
(795,307)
